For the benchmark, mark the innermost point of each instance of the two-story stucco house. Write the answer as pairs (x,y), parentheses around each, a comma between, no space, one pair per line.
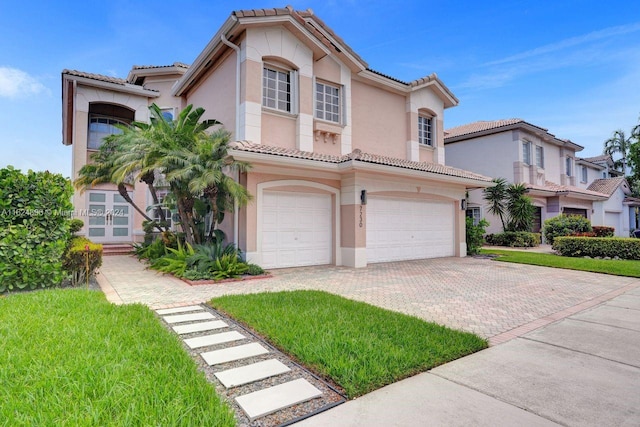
(557,180)
(348,163)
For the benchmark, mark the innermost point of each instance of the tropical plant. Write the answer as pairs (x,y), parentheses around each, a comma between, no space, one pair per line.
(520,209)
(620,144)
(175,261)
(474,235)
(228,266)
(496,196)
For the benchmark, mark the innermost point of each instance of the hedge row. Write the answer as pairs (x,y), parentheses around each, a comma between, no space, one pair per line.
(611,247)
(514,239)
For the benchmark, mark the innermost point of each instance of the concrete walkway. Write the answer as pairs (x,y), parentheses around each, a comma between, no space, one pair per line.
(569,341)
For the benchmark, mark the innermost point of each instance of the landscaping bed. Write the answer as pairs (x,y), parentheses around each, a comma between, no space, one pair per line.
(358,346)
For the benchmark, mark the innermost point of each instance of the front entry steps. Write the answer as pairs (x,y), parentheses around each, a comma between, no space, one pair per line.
(264,386)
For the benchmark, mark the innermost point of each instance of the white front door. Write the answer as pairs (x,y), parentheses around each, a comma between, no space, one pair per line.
(296,229)
(403,229)
(109,217)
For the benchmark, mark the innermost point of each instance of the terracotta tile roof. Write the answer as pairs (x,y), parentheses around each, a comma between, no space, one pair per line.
(358,156)
(557,188)
(600,158)
(606,185)
(480,126)
(175,64)
(99,77)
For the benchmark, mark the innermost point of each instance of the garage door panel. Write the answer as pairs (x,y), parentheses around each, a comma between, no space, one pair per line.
(400,229)
(303,227)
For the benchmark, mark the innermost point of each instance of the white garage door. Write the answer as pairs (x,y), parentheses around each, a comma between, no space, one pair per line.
(296,229)
(400,229)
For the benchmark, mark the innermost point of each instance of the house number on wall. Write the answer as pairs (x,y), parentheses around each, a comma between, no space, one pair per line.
(360,216)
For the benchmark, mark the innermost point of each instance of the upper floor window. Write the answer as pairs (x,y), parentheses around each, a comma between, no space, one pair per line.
(604,175)
(583,172)
(168,113)
(276,89)
(328,102)
(526,152)
(100,128)
(568,166)
(103,119)
(539,156)
(425,130)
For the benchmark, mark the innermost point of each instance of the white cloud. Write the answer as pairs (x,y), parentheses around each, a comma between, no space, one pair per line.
(16,83)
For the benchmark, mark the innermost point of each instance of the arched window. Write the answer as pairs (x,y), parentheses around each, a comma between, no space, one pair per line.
(279,86)
(103,119)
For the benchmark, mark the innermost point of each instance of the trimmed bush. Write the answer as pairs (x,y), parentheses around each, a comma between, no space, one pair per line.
(603,231)
(75,259)
(34,228)
(474,235)
(611,247)
(565,225)
(514,239)
(75,225)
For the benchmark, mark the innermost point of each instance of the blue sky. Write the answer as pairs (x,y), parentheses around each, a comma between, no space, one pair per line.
(570,66)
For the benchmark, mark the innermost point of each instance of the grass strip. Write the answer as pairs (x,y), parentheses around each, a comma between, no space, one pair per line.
(614,267)
(357,345)
(70,358)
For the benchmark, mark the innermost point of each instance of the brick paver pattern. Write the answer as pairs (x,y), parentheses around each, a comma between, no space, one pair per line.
(477,295)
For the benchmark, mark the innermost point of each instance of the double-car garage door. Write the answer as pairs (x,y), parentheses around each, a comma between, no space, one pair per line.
(297,229)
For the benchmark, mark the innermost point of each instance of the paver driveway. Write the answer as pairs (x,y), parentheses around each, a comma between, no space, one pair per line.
(493,299)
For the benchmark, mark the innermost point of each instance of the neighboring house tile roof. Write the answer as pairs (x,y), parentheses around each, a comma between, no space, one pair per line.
(99,77)
(359,156)
(481,126)
(175,64)
(606,185)
(558,189)
(600,158)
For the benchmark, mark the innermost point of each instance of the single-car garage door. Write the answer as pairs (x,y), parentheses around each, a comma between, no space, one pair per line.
(296,229)
(399,229)
(612,219)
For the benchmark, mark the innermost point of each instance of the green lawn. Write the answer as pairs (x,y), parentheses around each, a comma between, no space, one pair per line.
(70,358)
(359,346)
(608,266)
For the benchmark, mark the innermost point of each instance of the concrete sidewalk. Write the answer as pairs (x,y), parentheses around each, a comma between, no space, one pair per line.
(581,371)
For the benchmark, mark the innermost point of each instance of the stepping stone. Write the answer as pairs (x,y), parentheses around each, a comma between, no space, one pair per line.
(179,310)
(178,318)
(208,340)
(233,353)
(199,327)
(250,373)
(272,399)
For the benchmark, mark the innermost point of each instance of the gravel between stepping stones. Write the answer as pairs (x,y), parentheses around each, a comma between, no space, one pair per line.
(330,393)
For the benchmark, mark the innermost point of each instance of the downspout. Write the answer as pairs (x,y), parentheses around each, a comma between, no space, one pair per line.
(226,41)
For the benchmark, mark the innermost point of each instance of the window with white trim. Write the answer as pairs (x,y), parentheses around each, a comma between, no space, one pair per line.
(539,156)
(162,194)
(526,152)
(425,130)
(474,213)
(328,102)
(101,127)
(168,113)
(568,166)
(583,174)
(277,89)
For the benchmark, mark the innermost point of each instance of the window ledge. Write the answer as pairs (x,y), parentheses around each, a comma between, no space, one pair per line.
(427,147)
(328,127)
(280,113)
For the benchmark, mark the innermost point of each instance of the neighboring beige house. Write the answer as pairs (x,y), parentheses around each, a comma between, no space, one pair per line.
(620,210)
(348,163)
(557,180)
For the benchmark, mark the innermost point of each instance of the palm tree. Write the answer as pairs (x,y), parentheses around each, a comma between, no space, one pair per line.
(520,208)
(496,196)
(619,143)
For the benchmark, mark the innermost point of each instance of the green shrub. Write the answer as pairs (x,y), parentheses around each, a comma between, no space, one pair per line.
(75,259)
(254,270)
(565,225)
(197,275)
(205,256)
(474,235)
(34,228)
(603,231)
(514,239)
(175,261)
(151,252)
(624,248)
(228,266)
(75,225)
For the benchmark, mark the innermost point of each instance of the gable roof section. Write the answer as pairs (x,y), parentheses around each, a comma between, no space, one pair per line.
(483,128)
(139,72)
(356,156)
(609,185)
(552,189)
(108,82)
(320,36)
